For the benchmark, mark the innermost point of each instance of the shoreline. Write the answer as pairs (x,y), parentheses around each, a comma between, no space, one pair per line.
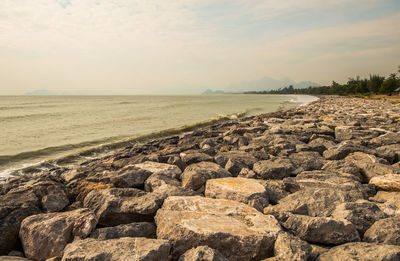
(271,185)
(81,154)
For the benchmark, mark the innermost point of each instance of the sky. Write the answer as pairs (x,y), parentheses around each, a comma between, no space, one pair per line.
(187,46)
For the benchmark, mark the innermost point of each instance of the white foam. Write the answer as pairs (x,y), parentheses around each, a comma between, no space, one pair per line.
(304,99)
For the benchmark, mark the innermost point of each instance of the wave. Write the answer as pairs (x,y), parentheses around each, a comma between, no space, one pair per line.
(67,154)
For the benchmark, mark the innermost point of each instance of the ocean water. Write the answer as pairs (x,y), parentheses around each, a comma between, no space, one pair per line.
(44,131)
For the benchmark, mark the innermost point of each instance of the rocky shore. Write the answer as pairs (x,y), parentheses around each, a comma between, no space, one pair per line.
(318,182)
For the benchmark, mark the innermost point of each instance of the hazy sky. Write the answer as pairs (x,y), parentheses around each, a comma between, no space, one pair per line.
(186,46)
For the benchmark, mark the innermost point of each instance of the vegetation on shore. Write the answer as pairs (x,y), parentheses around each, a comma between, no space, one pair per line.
(375,84)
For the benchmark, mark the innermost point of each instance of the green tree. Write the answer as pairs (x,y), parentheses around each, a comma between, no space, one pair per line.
(390,84)
(374,83)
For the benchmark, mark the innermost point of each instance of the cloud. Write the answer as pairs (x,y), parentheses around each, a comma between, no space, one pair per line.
(188,45)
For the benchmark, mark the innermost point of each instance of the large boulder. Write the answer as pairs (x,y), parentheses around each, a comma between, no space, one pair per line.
(126,248)
(386,139)
(139,229)
(195,175)
(248,191)
(322,230)
(361,213)
(361,251)
(276,168)
(45,235)
(117,206)
(238,231)
(385,231)
(289,247)
(24,196)
(202,253)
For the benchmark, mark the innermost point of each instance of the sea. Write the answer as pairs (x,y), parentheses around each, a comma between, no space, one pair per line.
(42,132)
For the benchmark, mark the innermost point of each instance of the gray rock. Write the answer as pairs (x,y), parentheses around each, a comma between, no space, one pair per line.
(313,202)
(361,251)
(370,165)
(322,230)
(117,206)
(195,176)
(306,160)
(276,168)
(289,247)
(126,248)
(202,253)
(343,167)
(45,235)
(190,157)
(361,213)
(320,145)
(235,161)
(385,231)
(386,139)
(140,229)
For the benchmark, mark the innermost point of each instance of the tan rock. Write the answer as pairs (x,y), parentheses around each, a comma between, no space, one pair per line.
(238,231)
(387,182)
(126,248)
(195,176)
(248,191)
(45,235)
(160,168)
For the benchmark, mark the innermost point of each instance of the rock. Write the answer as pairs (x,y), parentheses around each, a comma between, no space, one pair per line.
(386,139)
(388,202)
(190,157)
(320,145)
(384,231)
(195,176)
(247,173)
(324,179)
(361,251)
(306,160)
(117,206)
(389,182)
(343,167)
(177,161)
(166,186)
(24,196)
(342,150)
(276,168)
(370,165)
(140,229)
(45,235)
(322,230)
(12,258)
(353,132)
(202,253)
(130,177)
(160,168)
(361,214)
(126,248)
(14,207)
(275,189)
(248,191)
(235,161)
(313,202)
(289,247)
(391,150)
(238,231)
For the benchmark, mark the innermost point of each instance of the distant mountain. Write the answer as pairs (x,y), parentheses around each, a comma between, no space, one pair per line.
(209,91)
(41,92)
(266,84)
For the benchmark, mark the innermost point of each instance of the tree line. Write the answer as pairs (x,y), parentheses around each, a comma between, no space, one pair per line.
(375,84)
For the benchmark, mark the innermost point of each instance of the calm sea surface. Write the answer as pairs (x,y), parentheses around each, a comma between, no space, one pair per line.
(38,129)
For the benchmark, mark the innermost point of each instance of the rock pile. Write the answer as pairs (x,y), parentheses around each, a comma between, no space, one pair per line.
(318,182)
